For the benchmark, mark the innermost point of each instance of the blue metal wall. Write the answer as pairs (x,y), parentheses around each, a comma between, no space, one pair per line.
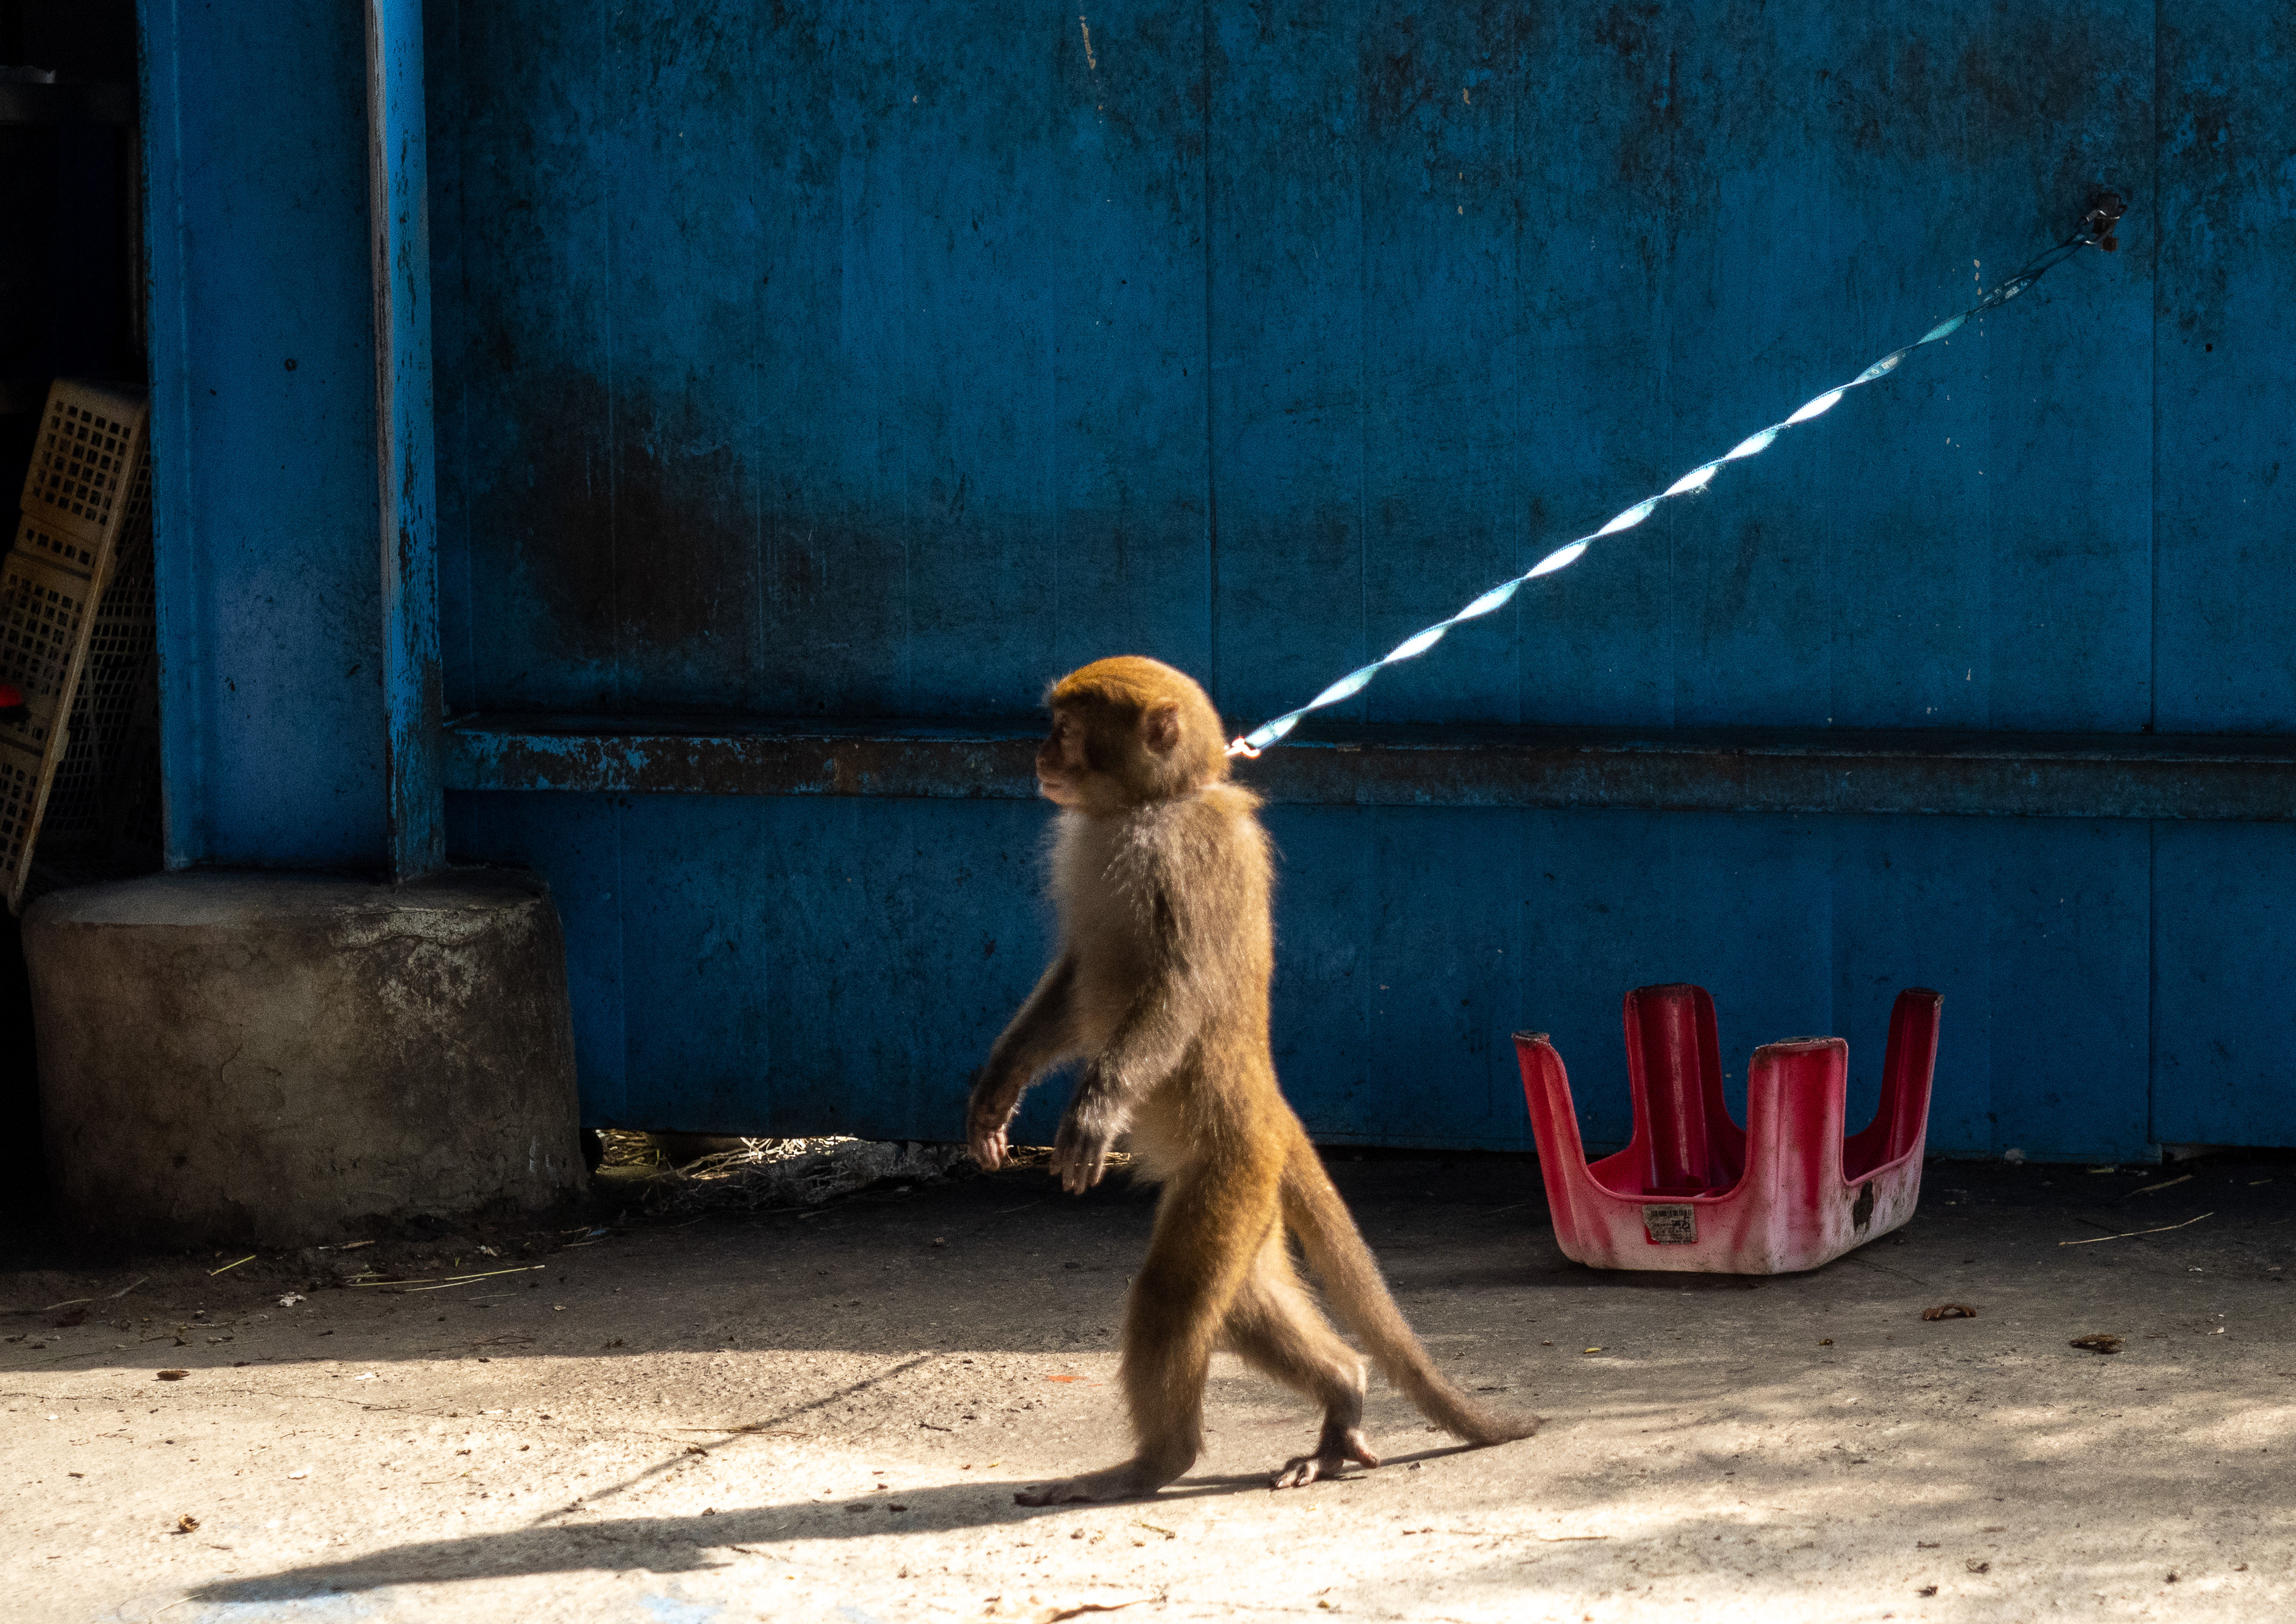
(263,433)
(873,362)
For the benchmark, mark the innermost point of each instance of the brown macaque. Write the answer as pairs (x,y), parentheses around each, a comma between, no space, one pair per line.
(1160,872)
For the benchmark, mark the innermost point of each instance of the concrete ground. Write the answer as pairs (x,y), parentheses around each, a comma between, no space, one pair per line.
(826,1418)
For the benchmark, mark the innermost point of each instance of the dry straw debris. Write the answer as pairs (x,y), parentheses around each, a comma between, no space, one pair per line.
(768,1175)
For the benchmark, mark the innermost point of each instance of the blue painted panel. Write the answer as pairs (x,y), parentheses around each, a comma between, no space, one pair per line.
(808,965)
(892,944)
(2224,934)
(784,966)
(1736,905)
(1284,265)
(1912,905)
(2225,634)
(2069,1013)
(263,434)
(1446,383)
(1802,926)
(1133,564)
(1467,326)
(853,358)
(841,359)
(575,840)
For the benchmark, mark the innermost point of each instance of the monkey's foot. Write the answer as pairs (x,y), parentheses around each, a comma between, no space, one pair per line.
(1334,1455)
(1133,1481)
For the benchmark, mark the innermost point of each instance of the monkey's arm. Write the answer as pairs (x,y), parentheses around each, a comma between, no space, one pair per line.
(1042,1032)
(1165,1016)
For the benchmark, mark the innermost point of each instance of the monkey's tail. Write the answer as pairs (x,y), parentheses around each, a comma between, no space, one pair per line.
(1358,1294)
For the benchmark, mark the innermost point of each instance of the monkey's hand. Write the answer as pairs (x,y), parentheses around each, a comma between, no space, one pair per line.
(995,1100)
(1080,1150)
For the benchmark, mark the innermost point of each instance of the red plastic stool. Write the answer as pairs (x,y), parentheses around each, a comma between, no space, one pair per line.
(1695,1192)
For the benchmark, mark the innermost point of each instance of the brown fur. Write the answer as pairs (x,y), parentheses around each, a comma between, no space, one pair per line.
(1161,874)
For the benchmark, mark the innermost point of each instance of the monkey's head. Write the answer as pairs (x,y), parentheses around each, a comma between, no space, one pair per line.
(1126,732)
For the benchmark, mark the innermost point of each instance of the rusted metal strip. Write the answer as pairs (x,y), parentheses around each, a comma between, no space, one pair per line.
(723,757)
(1737,770)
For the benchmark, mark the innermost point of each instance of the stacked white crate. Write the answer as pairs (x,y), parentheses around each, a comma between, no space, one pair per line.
(77,623)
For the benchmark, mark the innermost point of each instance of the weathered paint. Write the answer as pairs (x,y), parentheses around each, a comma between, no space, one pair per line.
(865,361)
(872,363)
(263,390)
(399,220)
(775,964)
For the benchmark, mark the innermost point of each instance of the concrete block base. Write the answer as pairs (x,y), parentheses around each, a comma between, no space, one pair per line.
(272,1058)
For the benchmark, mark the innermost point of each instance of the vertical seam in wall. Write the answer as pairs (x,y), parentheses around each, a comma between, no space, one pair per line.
(621,975)
(1670,289)
(2152,405)
(1054,492)
(908,480)
(1831,594)
(1520,820)
(898,144)
(2153,641)
(613,414)
(184,821)
(1374,820)
(763,525)
(1211,446)
(1517,340)
(463,411)
(1361,705)
(1983,503)
(2152,971)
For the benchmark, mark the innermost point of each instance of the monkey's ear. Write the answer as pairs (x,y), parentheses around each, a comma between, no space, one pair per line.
(1159,728)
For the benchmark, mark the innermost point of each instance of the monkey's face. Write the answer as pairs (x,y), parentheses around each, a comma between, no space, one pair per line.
(1103,759)
(1062,765)
(1127,732)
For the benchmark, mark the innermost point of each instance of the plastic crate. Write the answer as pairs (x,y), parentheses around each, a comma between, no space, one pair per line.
(91,474)
(1692,1191)
(79,632)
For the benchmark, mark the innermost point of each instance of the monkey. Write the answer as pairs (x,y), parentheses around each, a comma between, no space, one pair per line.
(1159,984)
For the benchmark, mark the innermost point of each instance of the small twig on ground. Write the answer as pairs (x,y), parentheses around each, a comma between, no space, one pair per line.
(2125,1234)
(2164,1184)
(1856,1257)
(435,1282)
(75,1301)
(227,1268)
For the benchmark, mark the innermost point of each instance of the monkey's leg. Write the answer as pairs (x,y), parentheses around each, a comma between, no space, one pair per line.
(1209,1230)
(1274,1327)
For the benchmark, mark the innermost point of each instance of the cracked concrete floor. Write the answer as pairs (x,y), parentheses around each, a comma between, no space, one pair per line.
(825,1418)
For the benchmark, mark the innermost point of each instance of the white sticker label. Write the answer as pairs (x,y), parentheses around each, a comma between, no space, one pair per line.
(1670,1225)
